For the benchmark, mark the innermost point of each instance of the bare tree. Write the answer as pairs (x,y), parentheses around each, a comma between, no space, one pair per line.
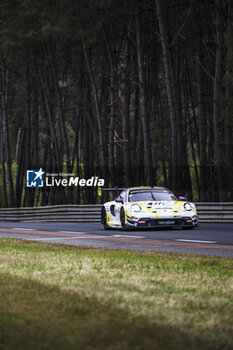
(143,97)
(218,115)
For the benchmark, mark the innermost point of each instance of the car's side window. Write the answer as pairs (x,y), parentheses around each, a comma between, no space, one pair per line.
(112,209)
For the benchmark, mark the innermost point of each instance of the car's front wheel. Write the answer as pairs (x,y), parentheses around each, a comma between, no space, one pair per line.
(104,218)
(122,219)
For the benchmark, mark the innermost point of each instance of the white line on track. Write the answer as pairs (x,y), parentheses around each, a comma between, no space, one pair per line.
(23,229)
(80,233)
(128,236)
(55,238)
(195,241)
(63,238)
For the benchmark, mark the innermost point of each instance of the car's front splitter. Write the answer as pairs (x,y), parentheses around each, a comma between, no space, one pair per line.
(162,222)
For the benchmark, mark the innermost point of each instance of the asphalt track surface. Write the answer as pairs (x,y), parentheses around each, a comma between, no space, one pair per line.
(208,239)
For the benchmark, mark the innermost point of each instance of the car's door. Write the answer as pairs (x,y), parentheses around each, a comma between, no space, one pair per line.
(119,205)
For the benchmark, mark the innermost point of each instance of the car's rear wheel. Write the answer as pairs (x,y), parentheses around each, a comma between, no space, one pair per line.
(104,218)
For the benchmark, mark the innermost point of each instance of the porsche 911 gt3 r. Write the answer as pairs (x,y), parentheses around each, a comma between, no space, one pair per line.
(148,207)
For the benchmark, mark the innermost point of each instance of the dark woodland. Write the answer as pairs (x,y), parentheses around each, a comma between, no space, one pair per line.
(134,92)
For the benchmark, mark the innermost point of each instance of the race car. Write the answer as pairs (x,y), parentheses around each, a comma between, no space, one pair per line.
(148,207)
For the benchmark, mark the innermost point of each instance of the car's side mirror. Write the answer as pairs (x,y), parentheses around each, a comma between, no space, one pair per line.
(119,200)
(181,198)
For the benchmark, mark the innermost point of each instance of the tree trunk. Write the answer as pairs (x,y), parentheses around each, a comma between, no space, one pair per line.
(20,167)
(111,160)
(5,127)
(217,107)
(170,95)
(202,131)
(97,105)
(125,103)
(143,97)
(229,106)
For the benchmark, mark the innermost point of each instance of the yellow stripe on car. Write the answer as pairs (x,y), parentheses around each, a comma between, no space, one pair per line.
(109,220)
(149,210)
(177,208)
(128,214)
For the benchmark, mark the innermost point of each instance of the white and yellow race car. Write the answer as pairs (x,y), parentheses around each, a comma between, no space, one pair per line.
(148,207)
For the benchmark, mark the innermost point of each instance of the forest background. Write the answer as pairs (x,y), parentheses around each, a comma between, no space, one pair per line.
(135,92)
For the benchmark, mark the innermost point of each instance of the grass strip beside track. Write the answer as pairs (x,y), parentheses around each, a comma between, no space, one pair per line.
(64,297)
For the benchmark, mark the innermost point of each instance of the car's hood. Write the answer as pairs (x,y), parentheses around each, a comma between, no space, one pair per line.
(159,204)
(162,207)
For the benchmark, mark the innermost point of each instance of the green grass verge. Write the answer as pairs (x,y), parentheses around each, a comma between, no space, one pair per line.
(61,297)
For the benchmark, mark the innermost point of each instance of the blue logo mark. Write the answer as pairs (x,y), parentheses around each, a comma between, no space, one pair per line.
(35,178)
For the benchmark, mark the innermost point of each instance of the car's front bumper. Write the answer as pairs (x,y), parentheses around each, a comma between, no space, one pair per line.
(148,222)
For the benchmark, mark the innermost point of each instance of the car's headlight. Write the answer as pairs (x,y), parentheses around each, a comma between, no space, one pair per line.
(188,206)
(136,208)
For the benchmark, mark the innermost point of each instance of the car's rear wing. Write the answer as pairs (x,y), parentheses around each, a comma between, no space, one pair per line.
(111,189)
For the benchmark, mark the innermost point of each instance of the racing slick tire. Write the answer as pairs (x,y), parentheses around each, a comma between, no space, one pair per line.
(104,219)
(122,219)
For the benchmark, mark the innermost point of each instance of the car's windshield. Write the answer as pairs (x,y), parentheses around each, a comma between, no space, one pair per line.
(151,195)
